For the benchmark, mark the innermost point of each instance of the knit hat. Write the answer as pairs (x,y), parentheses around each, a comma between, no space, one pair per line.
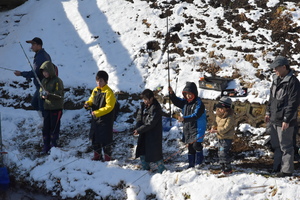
(102,74)
(224,102)
(279,61)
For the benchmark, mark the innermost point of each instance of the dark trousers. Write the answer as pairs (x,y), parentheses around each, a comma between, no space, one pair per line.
(51,127)
(37,102)
(194,147)
(224,151)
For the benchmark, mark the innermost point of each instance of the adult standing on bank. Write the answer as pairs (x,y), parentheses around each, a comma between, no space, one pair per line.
(39,58)
(282,115)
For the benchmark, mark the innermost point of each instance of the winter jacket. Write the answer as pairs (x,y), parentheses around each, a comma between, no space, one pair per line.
(39,58)
(194,114)
(225,125)
(149,127)
(54,86)
(102,102)
(284,100)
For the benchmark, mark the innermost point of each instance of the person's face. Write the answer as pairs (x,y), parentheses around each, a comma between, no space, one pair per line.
(100,82)
(45,74)
(221,110)
(188,96)
(280,71)
(35,47)
(147,101)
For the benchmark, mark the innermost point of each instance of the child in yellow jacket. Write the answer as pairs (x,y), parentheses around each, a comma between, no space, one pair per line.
(102,104)
(224,129)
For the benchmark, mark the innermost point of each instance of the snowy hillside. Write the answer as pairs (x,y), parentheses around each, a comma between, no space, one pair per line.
(133,40)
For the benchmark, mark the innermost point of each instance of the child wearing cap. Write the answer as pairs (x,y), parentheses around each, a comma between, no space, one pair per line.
(224,129)
(194,121)
(102,104)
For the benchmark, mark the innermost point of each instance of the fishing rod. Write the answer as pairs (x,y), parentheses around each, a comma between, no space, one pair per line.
(44,93)
(7,69)
(169,73)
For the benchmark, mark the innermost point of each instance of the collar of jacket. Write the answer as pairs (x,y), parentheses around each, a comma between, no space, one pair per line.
(285,79)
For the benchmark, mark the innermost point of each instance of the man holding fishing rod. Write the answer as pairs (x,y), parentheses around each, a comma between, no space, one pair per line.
(39,58)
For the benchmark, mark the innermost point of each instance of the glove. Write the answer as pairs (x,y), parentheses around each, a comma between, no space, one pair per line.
(86,106)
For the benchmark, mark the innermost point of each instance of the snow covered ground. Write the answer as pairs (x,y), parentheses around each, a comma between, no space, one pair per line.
(85,36)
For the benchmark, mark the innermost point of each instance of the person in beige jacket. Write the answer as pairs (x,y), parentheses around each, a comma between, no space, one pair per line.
(224,129)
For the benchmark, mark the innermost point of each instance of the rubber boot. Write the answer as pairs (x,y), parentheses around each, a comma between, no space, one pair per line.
(107,157)
(145,165)
(97,156)
(199,157)
(191,158)
(46,149)
(160,166)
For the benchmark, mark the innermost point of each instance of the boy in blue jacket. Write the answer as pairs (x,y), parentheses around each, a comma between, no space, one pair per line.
(193,119)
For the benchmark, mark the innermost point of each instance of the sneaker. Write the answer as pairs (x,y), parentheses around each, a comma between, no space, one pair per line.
(282,174)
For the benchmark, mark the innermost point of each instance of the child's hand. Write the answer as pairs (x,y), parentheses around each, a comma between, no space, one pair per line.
(135,133)
(45,94)
(86,106)
(170,90)
(180,119)
(213,131)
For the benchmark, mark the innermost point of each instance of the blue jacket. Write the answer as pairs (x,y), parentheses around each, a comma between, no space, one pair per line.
(194,114)
(39,58)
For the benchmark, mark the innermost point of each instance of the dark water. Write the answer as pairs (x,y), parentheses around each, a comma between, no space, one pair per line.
(18,193)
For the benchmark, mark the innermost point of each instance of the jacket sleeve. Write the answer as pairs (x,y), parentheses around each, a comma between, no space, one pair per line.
(27,74)
(110,100)
(179,102)
(293,100)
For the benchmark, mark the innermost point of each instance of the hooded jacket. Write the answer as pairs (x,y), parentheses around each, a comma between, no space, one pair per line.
(284,100)
(194,114)
(53,85)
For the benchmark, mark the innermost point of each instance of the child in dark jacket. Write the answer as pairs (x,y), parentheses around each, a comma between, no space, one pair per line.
(224,129)
(102,104)
(149,132)
(194,121)
(53,97)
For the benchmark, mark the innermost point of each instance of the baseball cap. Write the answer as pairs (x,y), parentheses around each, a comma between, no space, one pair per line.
(279,61)
(36,40)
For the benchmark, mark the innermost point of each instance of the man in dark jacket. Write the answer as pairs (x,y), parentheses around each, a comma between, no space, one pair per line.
(149,132)
(193,119)
(39,58)
(282,115)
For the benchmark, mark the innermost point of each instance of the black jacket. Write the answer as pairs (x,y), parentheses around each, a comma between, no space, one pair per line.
(284,100)
(149,127)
